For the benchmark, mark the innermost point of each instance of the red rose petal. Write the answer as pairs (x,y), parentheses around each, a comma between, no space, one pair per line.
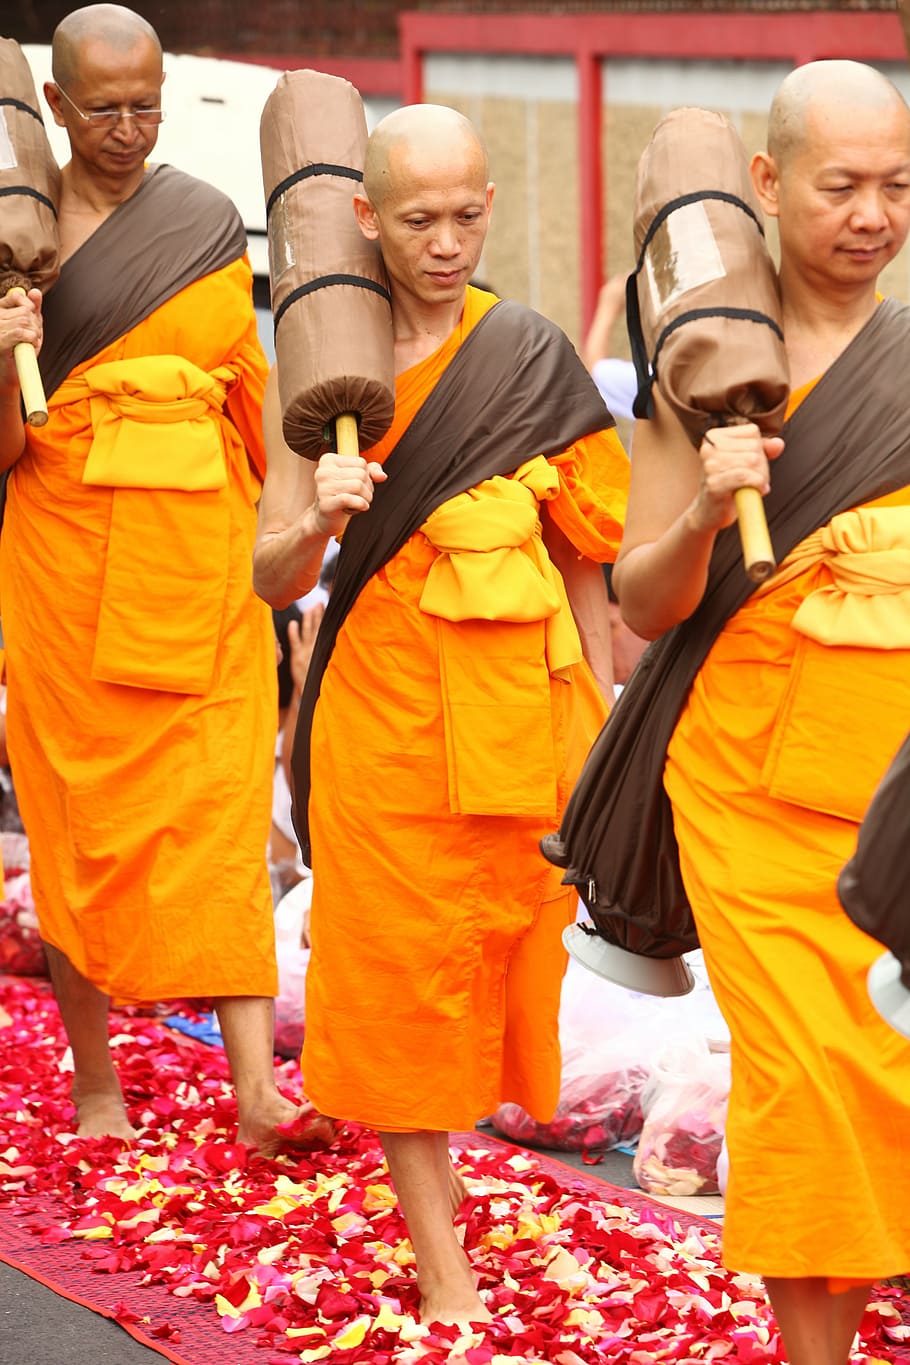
(294,1244)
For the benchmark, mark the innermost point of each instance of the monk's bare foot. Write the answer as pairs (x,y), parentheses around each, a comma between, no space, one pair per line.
(455,1302)
(100,1114)
(277,1125)
(458,1190)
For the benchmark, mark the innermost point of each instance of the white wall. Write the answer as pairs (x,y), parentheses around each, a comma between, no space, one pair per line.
(211,129)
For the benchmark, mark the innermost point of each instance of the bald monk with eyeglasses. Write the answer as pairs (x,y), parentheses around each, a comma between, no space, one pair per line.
(141,667)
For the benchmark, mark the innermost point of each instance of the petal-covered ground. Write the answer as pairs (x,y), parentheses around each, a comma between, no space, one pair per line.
(306,1255)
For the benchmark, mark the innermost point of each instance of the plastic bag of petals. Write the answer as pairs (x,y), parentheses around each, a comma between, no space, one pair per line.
(293,953)
(685,1108)
(595,1113)
(21,950)
(608,1037)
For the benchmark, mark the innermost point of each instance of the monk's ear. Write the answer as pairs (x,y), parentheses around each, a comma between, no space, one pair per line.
(488,198)
(766,182)
(367,219)
(55,100)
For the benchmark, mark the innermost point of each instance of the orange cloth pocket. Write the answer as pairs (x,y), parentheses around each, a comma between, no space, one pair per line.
(829,749)
(497,717)
(165,582)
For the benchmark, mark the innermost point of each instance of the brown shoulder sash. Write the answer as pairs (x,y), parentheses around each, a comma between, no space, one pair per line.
(174,230)
(514,389)
(847,443)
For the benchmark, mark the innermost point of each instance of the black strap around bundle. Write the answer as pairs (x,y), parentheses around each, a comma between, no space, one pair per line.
(645,364)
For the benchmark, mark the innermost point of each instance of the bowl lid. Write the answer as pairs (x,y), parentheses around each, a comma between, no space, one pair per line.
(648,975)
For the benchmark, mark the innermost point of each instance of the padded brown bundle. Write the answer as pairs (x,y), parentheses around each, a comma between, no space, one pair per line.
(29,195)
(330,298)
(29,180)
(704,307)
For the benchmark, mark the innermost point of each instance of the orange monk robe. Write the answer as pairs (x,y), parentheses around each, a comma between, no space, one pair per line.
(790,724)
(433,985)
(140,665)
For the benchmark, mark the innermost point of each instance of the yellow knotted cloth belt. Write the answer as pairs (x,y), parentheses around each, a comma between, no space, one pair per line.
(830,745)
(157,446)
(152,422)
(867,602)
(504,629)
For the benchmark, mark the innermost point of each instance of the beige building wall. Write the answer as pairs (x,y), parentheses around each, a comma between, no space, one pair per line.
(637,94)
(527,111)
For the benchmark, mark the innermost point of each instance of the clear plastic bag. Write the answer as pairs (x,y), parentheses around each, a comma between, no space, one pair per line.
(608,1036)
(21,949)
(595,1112)
(291,915)
(685,1109)
(611,1039)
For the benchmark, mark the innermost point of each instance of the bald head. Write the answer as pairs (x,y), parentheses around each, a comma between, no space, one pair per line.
(809,91)
(116,27)
(419,139)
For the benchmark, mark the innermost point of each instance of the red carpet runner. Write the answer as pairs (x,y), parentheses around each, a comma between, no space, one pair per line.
(209,1255)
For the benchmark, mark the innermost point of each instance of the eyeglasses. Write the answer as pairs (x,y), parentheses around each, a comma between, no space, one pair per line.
(109,118)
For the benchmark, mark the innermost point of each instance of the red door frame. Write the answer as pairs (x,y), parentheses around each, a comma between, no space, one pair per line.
(589,38)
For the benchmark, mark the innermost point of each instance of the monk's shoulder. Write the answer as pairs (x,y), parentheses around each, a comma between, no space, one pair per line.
(173,186)
(520,318)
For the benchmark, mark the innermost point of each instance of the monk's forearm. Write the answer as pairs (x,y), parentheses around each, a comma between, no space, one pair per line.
(287,562)
(288,731)
(587,592)
(12,429)
(660,583)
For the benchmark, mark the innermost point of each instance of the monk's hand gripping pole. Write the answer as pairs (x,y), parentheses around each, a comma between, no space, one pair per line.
(26,359)
(758,552)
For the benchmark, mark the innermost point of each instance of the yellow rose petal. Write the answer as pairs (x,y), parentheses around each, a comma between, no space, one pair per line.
(352,1336)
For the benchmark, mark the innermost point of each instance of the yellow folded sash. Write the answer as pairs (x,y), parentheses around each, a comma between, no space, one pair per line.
(867,602)
(504,628)
(493,565)
(152,423)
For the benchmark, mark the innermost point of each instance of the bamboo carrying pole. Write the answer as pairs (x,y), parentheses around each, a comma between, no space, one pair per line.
(26,358)
(347,441)
(758,552)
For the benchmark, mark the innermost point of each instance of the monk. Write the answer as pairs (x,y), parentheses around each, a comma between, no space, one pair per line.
(140,665)
(455,704)
(794,716)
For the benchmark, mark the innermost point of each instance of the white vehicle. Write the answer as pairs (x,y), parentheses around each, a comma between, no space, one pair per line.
(211,130)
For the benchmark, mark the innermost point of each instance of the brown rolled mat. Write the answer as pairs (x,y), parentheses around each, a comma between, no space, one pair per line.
(873,885)
(330,296)
(29,180)
(703,305)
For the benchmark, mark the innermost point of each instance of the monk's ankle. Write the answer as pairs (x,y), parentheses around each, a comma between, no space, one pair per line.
(101,1113)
